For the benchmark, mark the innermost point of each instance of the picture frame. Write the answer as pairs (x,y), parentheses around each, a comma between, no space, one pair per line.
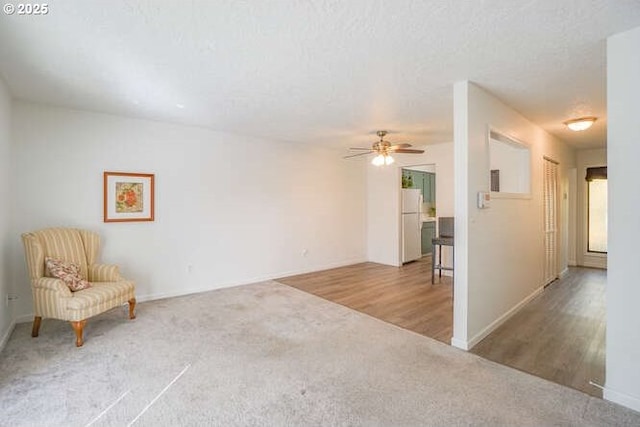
(128,197)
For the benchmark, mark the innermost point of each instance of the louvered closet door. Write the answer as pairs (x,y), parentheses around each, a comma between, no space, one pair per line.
(550,221)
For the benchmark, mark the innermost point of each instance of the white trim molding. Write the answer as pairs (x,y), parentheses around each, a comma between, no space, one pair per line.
(24,318)
(500,320)
(623,399)
(257,279)
(595,262)
(7,334)
(461,344)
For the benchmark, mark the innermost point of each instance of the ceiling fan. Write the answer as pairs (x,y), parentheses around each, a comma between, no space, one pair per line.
(384,149)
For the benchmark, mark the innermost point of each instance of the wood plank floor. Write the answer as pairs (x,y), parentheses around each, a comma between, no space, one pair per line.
(560,335)
(402,296)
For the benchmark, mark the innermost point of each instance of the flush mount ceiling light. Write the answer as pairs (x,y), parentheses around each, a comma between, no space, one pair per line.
(583,123)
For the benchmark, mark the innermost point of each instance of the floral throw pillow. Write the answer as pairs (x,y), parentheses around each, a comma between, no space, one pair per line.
(68,272)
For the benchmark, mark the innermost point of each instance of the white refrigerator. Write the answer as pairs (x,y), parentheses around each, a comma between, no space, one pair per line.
(411,226)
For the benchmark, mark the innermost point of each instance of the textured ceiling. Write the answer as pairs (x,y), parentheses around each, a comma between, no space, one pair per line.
(327,71)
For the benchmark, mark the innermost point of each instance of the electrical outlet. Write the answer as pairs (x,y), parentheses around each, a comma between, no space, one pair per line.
(305,252)
(11,298)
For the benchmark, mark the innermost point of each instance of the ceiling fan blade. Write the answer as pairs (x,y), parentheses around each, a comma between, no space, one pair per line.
(359,154)
(396,146)
(359,148)
(404,150)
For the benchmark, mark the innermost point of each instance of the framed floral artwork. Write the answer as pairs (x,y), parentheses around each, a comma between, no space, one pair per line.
(128,197)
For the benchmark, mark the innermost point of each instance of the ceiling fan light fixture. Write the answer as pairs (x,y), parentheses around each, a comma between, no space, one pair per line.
(382,150)
(583,123)
(382,159)
(378,160)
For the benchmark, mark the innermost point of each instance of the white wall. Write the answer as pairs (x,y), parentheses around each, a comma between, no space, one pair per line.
(584,160)
(500,250)
(623,292)
(236,209)
(6,197)
(383,199)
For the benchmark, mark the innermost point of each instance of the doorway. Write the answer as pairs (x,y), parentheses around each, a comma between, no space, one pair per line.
(560,335)
(418,211)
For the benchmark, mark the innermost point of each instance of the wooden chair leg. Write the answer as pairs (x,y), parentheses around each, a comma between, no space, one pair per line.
(78,328)
(132,308)
(36,326)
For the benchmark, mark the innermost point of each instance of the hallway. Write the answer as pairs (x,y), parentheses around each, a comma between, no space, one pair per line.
(560,335)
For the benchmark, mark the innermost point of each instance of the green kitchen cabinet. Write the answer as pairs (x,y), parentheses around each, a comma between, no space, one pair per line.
(423,181)
(416,179)
(426,187)
(408,181)
(428,234)
(429,187)
(433,187)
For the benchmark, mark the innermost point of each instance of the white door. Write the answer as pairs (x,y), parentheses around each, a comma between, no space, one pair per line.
(550,221)
(411,238)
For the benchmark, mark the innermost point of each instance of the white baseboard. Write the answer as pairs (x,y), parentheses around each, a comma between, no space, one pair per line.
(24,318)
(595,264)
(162,295)
(256,279)
(461,344)
(500,320)
(7,334)
(623,399)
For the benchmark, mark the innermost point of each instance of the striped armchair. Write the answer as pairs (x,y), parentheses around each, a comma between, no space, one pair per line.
(52,297)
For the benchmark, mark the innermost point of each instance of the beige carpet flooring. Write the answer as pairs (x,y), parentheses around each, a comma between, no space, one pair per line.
(269,355)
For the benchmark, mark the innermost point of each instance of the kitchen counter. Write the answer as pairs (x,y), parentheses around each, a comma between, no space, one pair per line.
(427,218)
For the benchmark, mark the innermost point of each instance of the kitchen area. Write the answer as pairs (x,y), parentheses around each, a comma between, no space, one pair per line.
(418,211)
(396,286)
